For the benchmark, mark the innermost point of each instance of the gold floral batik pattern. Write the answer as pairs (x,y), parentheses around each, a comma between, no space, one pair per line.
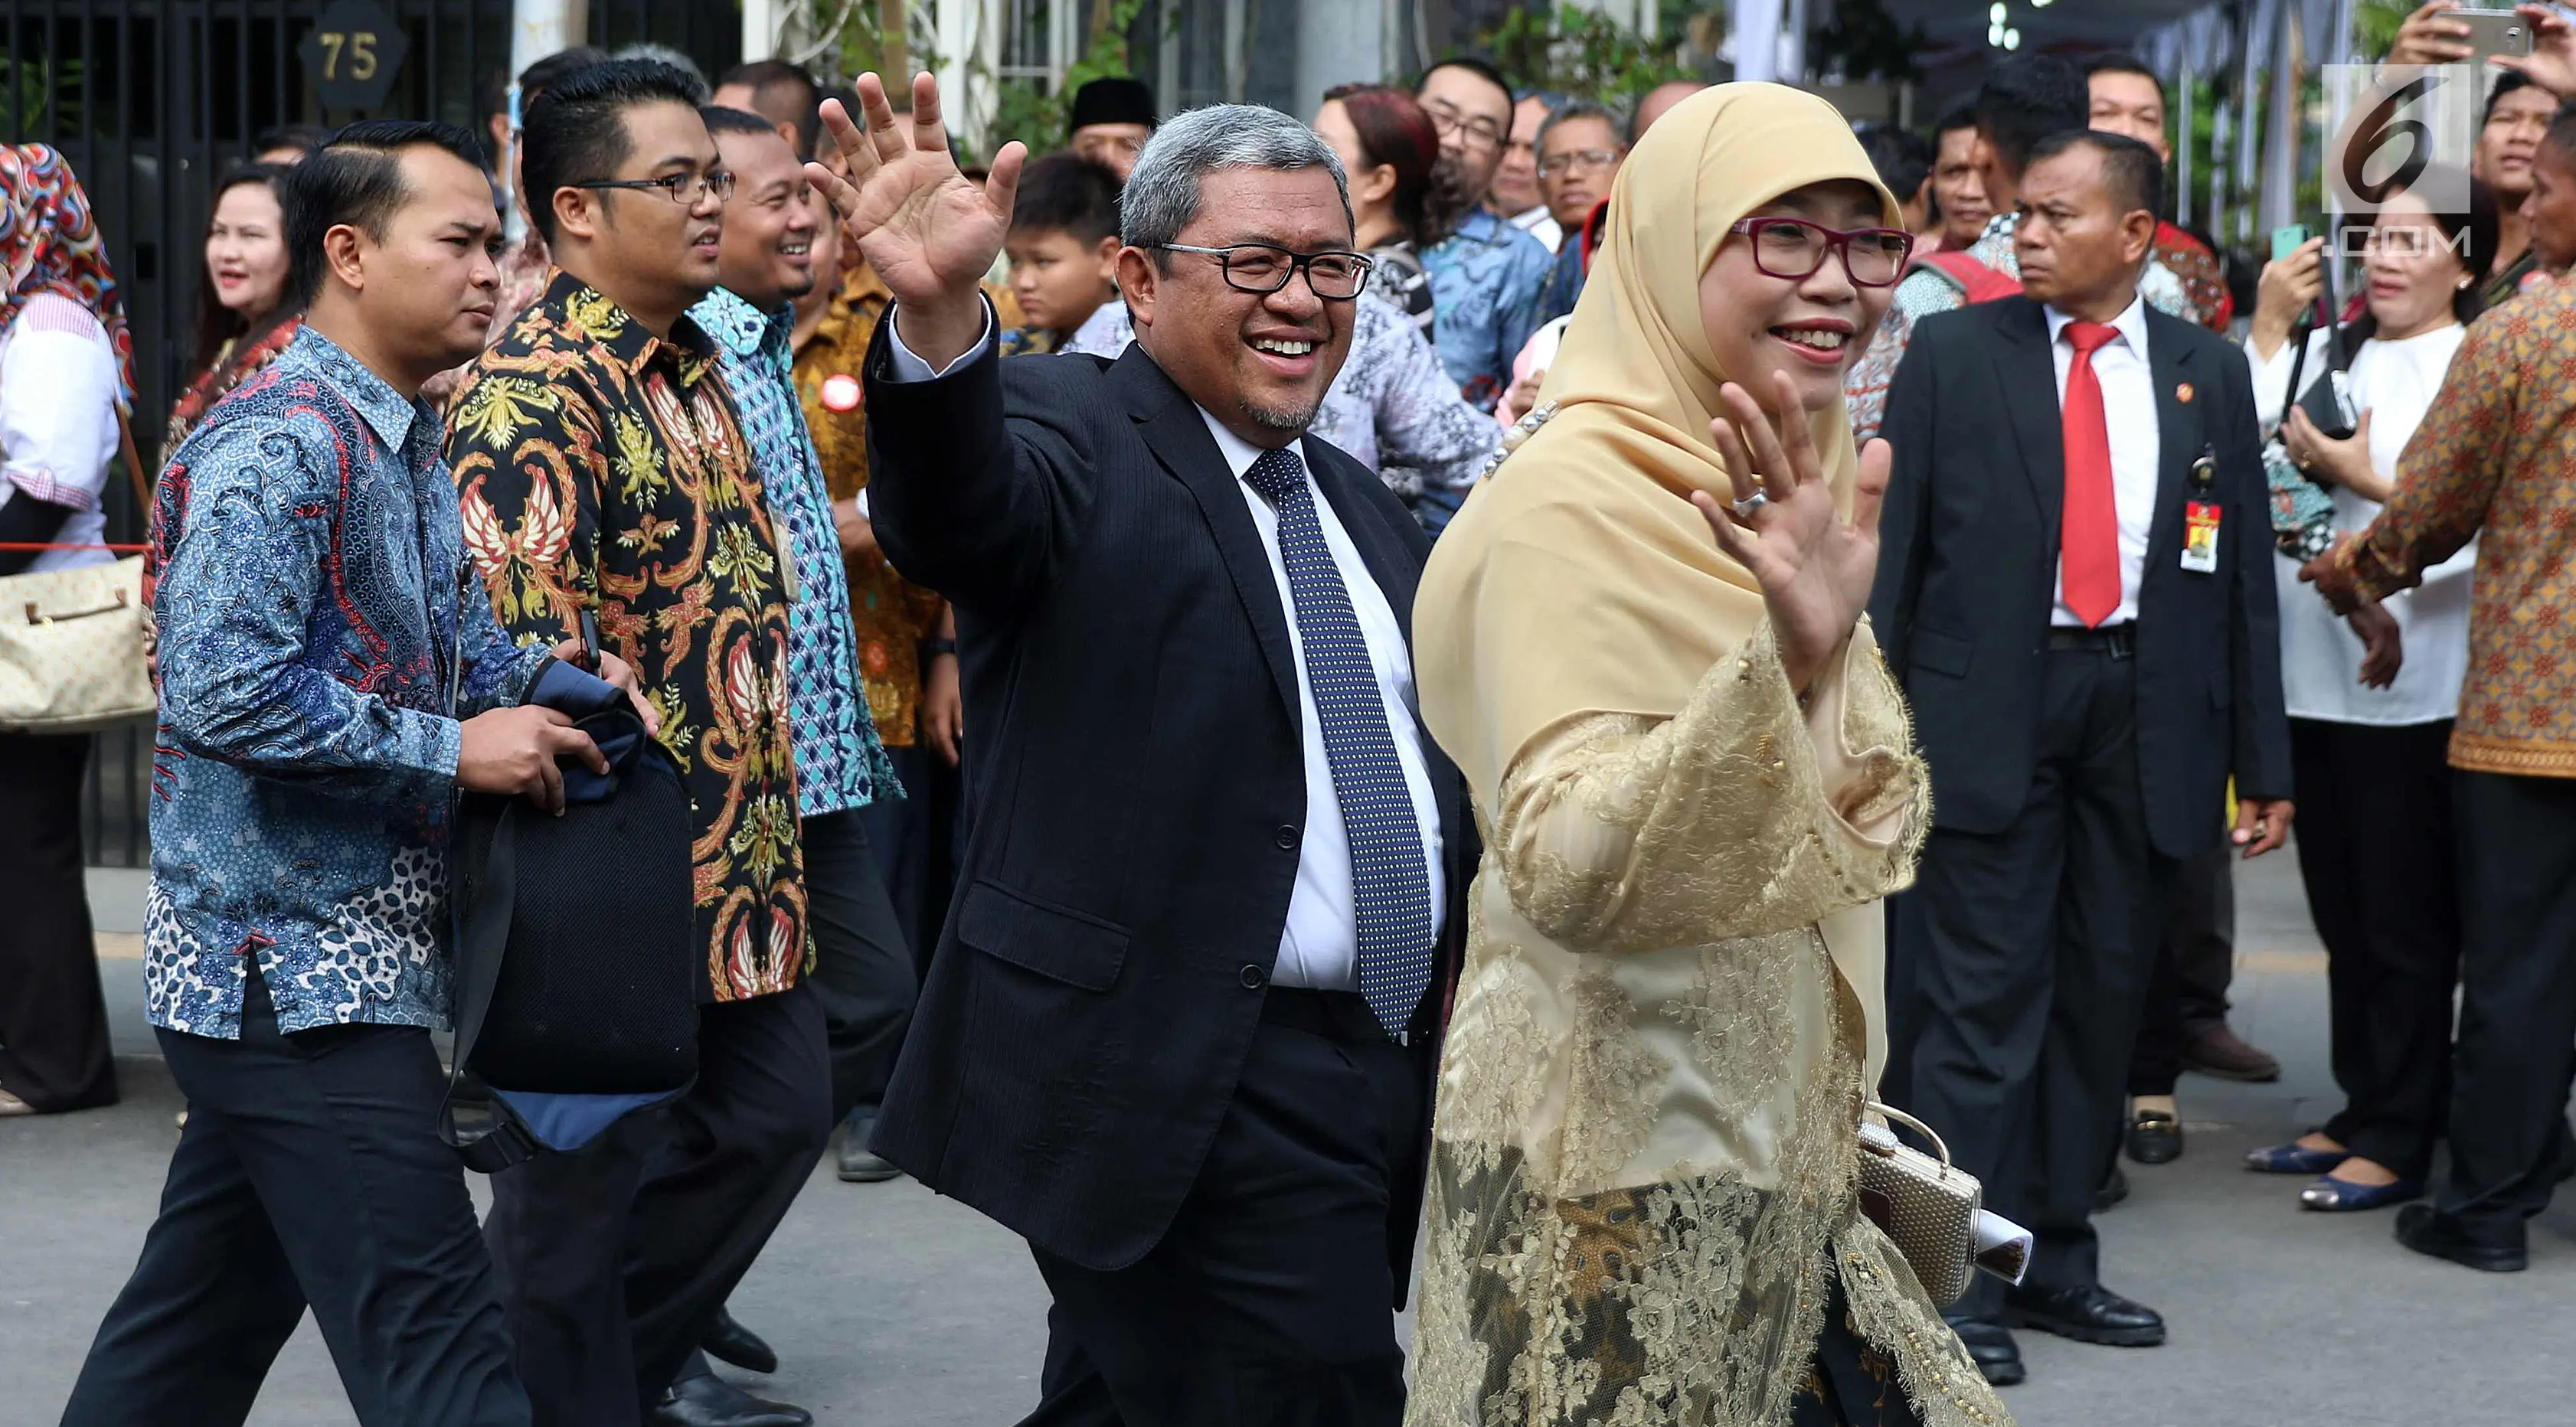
(603,468)
(1642,1184)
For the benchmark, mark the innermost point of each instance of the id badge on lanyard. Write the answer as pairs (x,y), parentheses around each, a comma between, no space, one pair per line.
(2201,515)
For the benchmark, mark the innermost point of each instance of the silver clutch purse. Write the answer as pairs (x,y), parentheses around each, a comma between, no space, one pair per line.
(1928,1208)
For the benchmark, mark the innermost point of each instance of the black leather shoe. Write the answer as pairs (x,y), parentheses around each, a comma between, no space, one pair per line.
(729,1341)
(2155,1137)
(2427,1230)
(1991,1347)
(710,1401)
(2115,1188)
(859,1164)
(2090,1314)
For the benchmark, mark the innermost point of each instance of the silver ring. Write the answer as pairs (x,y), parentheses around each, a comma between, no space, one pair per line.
(1744,508)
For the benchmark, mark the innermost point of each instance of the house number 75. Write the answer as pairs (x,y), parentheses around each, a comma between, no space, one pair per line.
(359,45)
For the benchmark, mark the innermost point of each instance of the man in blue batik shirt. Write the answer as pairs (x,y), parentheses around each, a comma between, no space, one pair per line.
(1486,275)
(331,675)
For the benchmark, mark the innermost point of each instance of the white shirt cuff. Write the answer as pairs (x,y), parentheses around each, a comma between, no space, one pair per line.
(910,368)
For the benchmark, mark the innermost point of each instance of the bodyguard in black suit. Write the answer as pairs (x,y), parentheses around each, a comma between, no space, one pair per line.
(1180,1030)
(2077,596)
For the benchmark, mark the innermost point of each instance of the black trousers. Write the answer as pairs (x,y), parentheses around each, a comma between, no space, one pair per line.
(864,973)
(310,1172)
(1271,1300)
(614,1260)
(920,842)
(2516,1053)
(2195,962)
(2377,852)
(2030,971)
(54,1051)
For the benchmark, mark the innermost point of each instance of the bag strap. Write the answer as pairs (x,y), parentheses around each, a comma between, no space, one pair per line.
(2299,335)
(1890,1112)
(133,465)
(473,1121)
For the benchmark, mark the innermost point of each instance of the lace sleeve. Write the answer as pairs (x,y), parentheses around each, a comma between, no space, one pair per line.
(1741,815)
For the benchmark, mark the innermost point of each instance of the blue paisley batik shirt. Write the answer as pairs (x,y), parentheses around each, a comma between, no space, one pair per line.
(1485,281)
(313,604)
(840,762)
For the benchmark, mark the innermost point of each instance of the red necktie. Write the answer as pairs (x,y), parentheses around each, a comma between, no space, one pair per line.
(2088,536)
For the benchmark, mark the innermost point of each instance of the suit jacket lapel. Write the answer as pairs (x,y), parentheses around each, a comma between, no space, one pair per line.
(1178,436)
(2028,374)
(2179,437)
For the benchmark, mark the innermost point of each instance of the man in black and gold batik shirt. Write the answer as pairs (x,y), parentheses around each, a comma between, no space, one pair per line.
(601,466)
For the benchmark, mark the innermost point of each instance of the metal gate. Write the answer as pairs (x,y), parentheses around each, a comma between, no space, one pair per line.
(151,99)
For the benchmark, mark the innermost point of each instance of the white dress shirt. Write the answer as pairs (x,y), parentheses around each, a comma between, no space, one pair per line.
(2320,655)
(58,391)
(1540,224)
(2129,412)
(1319,945)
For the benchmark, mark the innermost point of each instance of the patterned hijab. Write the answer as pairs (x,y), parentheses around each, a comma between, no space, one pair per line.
(50,243)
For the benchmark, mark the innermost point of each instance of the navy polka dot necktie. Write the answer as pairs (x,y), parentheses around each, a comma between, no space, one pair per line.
(1391,885)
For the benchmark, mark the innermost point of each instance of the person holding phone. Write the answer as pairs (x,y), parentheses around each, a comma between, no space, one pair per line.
(2367,734)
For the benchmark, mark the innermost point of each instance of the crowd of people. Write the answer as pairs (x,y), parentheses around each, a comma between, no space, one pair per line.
(1436,699)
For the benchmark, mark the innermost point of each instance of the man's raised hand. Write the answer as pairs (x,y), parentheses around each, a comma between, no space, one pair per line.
(928,230)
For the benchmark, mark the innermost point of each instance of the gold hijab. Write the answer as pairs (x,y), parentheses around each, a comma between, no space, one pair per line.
(1579,579)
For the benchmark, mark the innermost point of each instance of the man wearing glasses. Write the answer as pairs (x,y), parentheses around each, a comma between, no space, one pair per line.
(1485,276)
(603,470)
(1181,1031)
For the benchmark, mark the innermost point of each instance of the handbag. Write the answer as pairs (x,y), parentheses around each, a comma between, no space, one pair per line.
(576,1005)
(74,644)
(1927,1207)
(2302,510)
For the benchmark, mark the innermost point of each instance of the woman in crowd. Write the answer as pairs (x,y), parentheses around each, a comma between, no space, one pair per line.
(2375,838)
(1404,199)
(66,366)
(243,320)
(1696,781)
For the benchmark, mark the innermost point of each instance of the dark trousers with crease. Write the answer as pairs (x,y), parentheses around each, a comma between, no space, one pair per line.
(2516,1053)
(864,973)
(614,1259)
(2027,971)
(1270,1302)
(2377,852)
(310,1173)
(2195,963)
(54,1048)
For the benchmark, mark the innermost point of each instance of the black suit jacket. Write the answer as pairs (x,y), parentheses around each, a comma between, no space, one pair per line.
(1136,783)
(1968,567)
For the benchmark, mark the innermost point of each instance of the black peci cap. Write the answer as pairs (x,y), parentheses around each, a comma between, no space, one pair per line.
(1113,101)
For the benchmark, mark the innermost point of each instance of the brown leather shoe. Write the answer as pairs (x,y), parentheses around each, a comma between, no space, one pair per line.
(2219,1051)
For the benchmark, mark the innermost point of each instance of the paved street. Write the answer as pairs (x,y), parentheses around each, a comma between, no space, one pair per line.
(890,1306)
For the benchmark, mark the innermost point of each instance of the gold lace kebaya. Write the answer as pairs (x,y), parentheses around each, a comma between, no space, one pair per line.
(1643,1178)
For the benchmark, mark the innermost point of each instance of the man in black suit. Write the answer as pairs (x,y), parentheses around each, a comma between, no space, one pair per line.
(2077,596)
(1180,1030)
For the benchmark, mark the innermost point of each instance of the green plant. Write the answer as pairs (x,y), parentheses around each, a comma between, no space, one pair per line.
(1025,109)
(2374,26)
(863,39)
(1581,52)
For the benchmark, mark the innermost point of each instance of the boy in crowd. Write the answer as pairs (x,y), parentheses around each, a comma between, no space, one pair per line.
(1063,247)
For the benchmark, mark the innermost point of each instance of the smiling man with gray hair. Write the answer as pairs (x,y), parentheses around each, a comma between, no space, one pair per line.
(1181,1032)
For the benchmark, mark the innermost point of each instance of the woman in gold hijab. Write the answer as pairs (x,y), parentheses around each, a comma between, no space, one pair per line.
(1642,643)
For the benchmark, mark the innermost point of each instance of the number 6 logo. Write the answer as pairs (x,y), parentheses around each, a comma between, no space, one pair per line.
(2376,131)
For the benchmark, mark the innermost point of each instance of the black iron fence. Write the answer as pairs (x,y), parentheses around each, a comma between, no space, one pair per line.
(151,99)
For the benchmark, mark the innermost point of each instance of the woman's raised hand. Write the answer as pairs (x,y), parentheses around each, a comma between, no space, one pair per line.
(1815,567)
(929,231)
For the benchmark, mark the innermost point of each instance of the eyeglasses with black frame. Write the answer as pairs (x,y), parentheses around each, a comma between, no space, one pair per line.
(1264,268)
(684,189)
(1793,249)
